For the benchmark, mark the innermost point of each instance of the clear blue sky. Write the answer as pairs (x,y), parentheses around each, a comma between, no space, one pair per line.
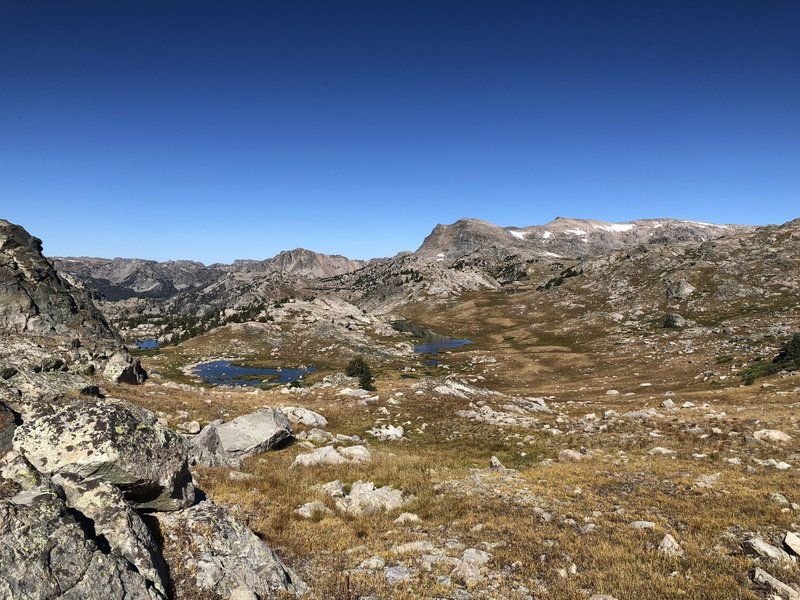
(217,130)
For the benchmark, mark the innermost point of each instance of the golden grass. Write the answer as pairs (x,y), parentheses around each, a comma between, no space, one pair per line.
(444,467)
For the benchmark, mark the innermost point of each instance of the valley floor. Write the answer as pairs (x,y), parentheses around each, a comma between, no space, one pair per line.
(630,461)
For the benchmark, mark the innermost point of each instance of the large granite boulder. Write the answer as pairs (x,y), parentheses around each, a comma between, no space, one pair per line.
(211,555)
(113,441)
(226,444)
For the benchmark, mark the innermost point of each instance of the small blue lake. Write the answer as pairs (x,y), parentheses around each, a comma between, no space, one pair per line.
(428,342)
(437,344)
(222,372)
(147,344)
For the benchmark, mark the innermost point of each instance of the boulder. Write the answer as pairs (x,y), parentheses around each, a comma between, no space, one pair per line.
(113,441)
(680,290)
(319,436)
(569,455)
(192,427)
(120,525)
(211,555)
(356,454)
(791,541)
(761,577)
(226,444)
(15,467)
(674,321)
(496,465)
(756,546)
(772,436)
(298,415)
(35,388)
(397,574)
(365,498)
(311,510)
(670,547)
(327,455)
(123,368)
(48,553)
(387,433)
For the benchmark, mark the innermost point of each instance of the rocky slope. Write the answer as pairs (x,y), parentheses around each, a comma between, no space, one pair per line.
(561,238)
(86,480)
(471,254)
(466,256)
(121,278)
(755,272)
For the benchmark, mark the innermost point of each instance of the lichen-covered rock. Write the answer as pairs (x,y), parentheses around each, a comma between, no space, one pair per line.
(226,444)
(34,388)
(113,441)
(772,436)
(118,523)
(210,555)
(123,368)
(7,427)
(674,321)
(46,553)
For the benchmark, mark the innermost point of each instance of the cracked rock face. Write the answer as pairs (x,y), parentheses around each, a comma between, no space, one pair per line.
(112,441)
(207,549)
(46,553)
(118,523)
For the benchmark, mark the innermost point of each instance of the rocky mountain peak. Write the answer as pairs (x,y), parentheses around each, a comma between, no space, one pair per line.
(300,262)
(563,237)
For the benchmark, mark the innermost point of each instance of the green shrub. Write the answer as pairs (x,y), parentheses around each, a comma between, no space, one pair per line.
(358,367)
(787,360)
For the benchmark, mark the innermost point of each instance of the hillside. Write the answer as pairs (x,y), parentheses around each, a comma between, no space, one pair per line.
(611,421)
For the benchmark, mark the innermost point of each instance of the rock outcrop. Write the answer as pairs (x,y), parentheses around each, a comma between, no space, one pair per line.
(209,550)
(89,483)
(34,299)
(112,441)
(50,551)
(120,525)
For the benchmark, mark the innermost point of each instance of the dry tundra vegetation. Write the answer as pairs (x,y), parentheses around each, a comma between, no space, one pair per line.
(649,433)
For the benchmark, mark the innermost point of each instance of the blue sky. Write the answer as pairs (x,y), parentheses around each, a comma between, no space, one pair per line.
(215,131)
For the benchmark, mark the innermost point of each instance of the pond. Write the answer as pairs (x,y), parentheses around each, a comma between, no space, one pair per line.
(428,341)
(435,344)
(223,372)
(147,344)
